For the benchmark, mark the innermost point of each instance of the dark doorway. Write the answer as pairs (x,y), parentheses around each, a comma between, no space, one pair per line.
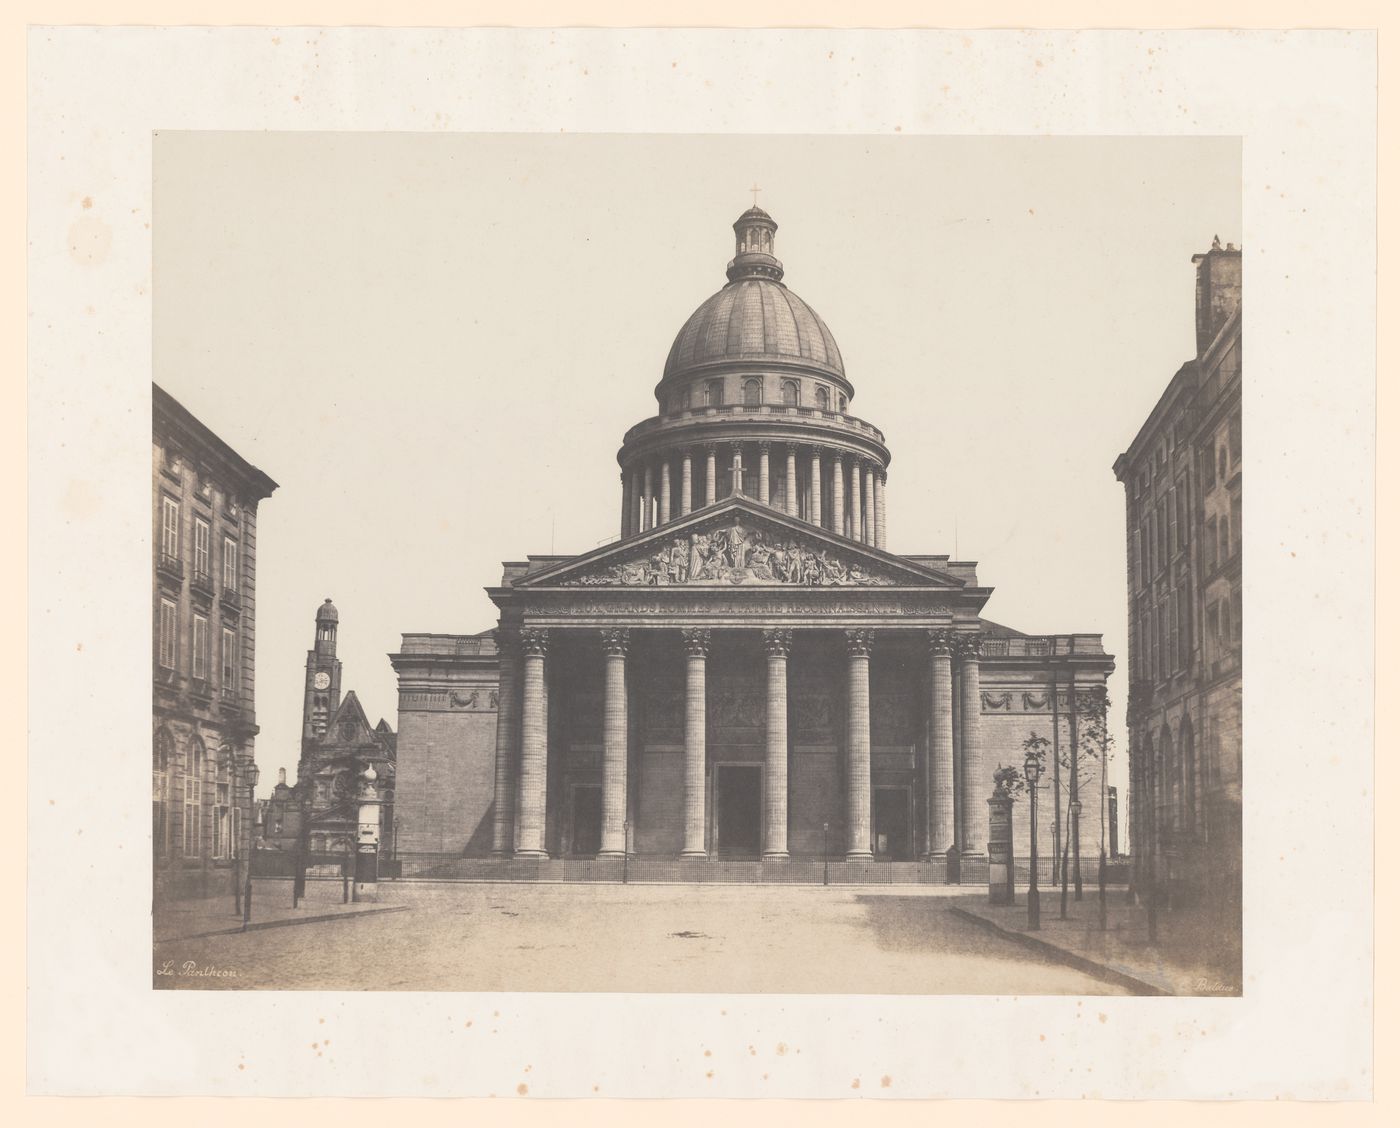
(738,791)
(588,819)
(889,824)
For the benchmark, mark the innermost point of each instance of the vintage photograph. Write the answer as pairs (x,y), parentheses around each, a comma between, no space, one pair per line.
(697,563)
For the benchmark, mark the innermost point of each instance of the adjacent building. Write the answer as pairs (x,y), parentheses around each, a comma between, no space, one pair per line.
(320,812)
(1182,479)
(748,674)
(204,501)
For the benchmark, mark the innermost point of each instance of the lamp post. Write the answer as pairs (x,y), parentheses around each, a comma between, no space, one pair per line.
(252,776)
(1032,770)
(626,846)
(396,838)
(825,880)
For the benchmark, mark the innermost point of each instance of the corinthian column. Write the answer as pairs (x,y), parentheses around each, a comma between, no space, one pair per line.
(534,745)
(665,489)
(816,485)
(709,473)
(647,494)
(869,504)
(763,472)
(858,645)
(973,800)
(736,469)
(507,722)
(614,842)
(838,496)
(686,486)
(942,830)
(697,647)
(634,524)
(880,509)
(790,491)
(857,533)
(775,785)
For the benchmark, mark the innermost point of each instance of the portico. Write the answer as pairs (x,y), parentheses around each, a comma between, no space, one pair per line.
(729,710)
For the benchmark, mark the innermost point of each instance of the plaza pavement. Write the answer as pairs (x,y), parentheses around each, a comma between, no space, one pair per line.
(478,936)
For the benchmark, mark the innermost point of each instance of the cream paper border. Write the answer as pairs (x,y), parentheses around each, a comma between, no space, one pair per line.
(1304,105)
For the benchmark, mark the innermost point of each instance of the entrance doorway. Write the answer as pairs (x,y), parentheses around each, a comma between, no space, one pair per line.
(889,824)
(588,819)
(738,792)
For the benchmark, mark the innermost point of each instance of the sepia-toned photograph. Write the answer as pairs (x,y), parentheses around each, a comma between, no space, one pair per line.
(697,563)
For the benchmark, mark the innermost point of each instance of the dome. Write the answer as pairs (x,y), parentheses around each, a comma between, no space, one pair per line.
(327,613)
(753,320)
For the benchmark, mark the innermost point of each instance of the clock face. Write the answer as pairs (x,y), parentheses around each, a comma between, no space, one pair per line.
(322,680)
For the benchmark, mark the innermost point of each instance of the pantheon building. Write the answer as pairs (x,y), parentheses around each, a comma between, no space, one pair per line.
(746,680)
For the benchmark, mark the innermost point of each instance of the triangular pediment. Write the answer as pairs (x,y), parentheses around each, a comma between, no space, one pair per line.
(349,725)
(738,542)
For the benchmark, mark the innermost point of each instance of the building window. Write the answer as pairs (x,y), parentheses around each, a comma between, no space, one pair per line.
(1237,620)
(753,393)
(166,640)
(201,548)
(789,393)
(714,393)
(823,399)
(230,577)
(228,661)
(1235,437)
(222,786)
(162,761)
(170,528)
(1173,536)
(1213,543)
(1223,461)
(199,660)
(194,796)
(1208,467)
(1235,520)
(843,405)
(1224,539)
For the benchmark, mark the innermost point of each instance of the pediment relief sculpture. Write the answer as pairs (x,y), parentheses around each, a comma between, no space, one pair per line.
(737,554)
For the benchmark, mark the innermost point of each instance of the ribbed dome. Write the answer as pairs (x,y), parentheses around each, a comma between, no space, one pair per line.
(752,320)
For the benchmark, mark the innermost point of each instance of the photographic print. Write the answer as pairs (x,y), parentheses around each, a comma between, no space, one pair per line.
(745,708)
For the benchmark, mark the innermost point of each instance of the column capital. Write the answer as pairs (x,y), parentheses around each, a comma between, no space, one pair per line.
(710,446)
(736,445)
(777,643)
(792,448)
(969,645)
(614,639)
(696,641)
(535,641)
(860,642)
(942,643)
(764,445)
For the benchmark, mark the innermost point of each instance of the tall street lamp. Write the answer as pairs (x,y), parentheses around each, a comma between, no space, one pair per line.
(825,856)
(1032,770)
(251,775)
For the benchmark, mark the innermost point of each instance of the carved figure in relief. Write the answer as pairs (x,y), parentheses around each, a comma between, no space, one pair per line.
(739,555)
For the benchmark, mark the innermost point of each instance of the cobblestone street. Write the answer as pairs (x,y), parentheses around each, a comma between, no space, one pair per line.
(606,937)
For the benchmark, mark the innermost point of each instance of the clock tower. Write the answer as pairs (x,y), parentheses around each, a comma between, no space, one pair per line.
(322,677)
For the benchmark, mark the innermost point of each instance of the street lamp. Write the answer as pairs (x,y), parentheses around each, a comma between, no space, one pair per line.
(1074,808)
(396,838)
(1032,770)
(252,776)
(825,856)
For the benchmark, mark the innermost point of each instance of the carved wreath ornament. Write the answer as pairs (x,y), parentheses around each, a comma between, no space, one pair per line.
(735,554)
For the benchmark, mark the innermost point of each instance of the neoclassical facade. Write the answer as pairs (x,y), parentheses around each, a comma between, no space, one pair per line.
(747,673)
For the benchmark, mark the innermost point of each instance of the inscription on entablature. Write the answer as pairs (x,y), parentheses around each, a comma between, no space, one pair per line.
(764,608)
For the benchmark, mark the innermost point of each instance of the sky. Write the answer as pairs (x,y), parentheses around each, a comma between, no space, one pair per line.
(435,342)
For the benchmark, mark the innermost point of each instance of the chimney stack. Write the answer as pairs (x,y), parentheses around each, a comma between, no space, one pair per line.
(1218,276)
(281,777)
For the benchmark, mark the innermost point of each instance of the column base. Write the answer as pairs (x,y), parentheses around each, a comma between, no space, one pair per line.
(860,856)
(501,853)
(611,854)
(539,855)
(775,856)
(697,855)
